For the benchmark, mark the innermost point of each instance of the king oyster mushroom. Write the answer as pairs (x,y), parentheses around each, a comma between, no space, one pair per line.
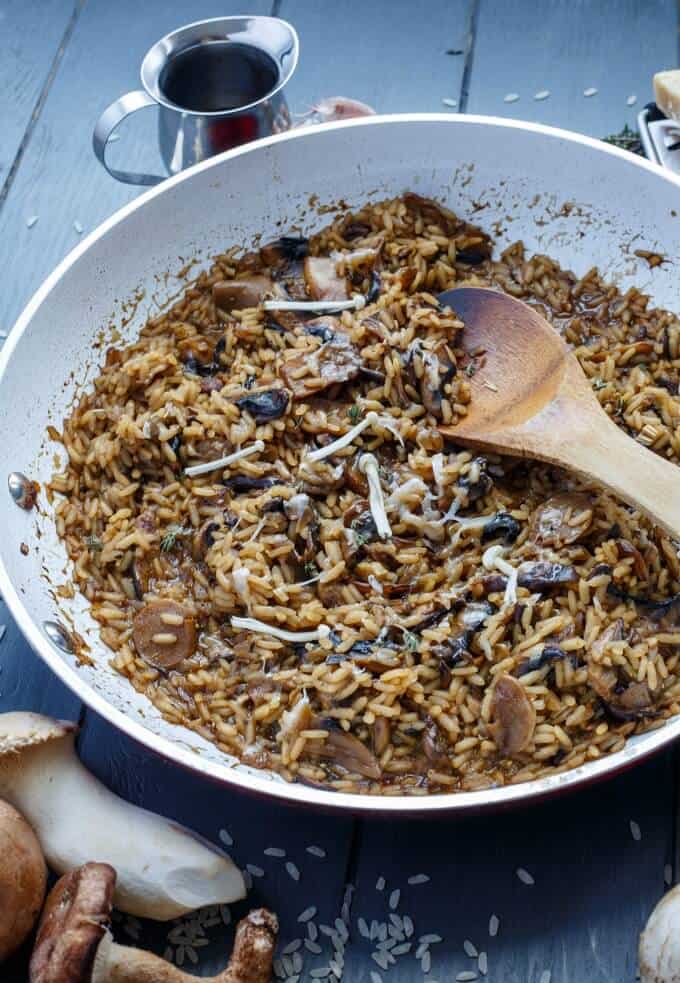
(659,949)
(23,878)
(164,870)
(74,944)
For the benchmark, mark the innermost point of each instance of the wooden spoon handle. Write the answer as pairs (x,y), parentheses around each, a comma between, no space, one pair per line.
(635,474)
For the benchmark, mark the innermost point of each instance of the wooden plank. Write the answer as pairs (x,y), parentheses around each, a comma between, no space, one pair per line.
(567,47)
(31,36)
(59,180)
(392,56)
(594,883)
(255,824)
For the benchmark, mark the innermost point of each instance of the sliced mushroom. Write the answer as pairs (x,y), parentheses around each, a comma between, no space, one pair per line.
(244,291)
(325,327)
(287,249)
(561,520)
(548,654)
(306,373)
(346,751)
(322,279)
(625,698)
(514,717)
(543,575)
(429,370)
(502,526)
(270,404)
(434,746)
(382,733)
(203,539)
(626,549)
(477,482)
(164,633)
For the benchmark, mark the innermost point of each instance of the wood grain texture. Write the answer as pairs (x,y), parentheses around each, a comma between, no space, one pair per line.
(594,884)
(567,46)
(59,180)
(31,33)
(392,56)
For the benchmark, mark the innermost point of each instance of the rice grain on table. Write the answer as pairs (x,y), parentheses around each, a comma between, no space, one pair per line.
(408,645)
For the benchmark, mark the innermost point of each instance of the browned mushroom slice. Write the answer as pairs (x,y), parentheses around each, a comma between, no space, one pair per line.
(164,633)
(429,370)
(625,699)
(543,575)
(246,291)
(322,279)
(561,520)
(346,751)
(514,718)
(626,549)
(287,249)
(382,733)
(306,373)
(203,539)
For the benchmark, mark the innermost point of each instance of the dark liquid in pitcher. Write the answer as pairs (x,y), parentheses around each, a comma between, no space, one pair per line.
(218,75)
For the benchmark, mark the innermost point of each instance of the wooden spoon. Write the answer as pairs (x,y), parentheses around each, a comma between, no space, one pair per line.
(530,398)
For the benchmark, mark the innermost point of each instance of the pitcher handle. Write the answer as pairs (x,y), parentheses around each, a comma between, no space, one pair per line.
(107,123)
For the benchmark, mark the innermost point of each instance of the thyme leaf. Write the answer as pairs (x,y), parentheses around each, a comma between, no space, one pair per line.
(172,534)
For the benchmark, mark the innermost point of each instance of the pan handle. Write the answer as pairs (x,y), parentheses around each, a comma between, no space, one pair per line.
(107,123)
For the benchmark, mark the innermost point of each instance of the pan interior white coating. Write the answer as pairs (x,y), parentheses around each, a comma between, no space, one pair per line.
(579,201)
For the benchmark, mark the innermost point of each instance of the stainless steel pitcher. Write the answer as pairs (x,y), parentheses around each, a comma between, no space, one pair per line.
(217,84)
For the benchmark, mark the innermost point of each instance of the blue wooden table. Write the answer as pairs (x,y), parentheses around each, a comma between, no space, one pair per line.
(599,859)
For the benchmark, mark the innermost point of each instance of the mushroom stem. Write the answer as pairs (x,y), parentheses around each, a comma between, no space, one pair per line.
(369,466)
(164,870)
(250,962)
(74,944)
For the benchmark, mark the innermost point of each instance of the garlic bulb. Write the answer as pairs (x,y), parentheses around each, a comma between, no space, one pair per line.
(659,950)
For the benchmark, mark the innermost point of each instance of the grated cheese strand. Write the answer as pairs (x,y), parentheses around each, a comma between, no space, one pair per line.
(493,557)
(369,466)
(370,420)
(223,462)
(356,303)
(252,624)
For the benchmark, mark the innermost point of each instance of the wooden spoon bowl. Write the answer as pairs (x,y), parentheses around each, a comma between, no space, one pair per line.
(531,398)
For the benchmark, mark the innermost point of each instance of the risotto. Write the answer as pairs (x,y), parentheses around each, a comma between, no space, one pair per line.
(286,555)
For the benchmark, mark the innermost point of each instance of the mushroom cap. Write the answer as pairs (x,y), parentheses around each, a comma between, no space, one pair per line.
(23,877)
(20,729)
(75,919)
(659,950)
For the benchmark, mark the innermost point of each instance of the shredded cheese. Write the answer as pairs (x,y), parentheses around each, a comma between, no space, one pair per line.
(223,462)
(370,420)
(369,466)
(493,557)
(356,303)
(252,624)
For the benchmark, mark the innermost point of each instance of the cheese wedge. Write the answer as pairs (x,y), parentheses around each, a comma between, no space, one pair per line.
(667,93)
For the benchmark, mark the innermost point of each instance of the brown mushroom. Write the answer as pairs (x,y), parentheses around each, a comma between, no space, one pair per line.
(23,878)
(306,373)
(345,750)
(561,520)
(625,698)
(164,633)
(244,291)
(74,944)
(322,279)
(429,370)
(514,717)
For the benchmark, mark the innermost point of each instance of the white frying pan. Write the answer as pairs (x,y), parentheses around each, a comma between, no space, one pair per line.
(489,170)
